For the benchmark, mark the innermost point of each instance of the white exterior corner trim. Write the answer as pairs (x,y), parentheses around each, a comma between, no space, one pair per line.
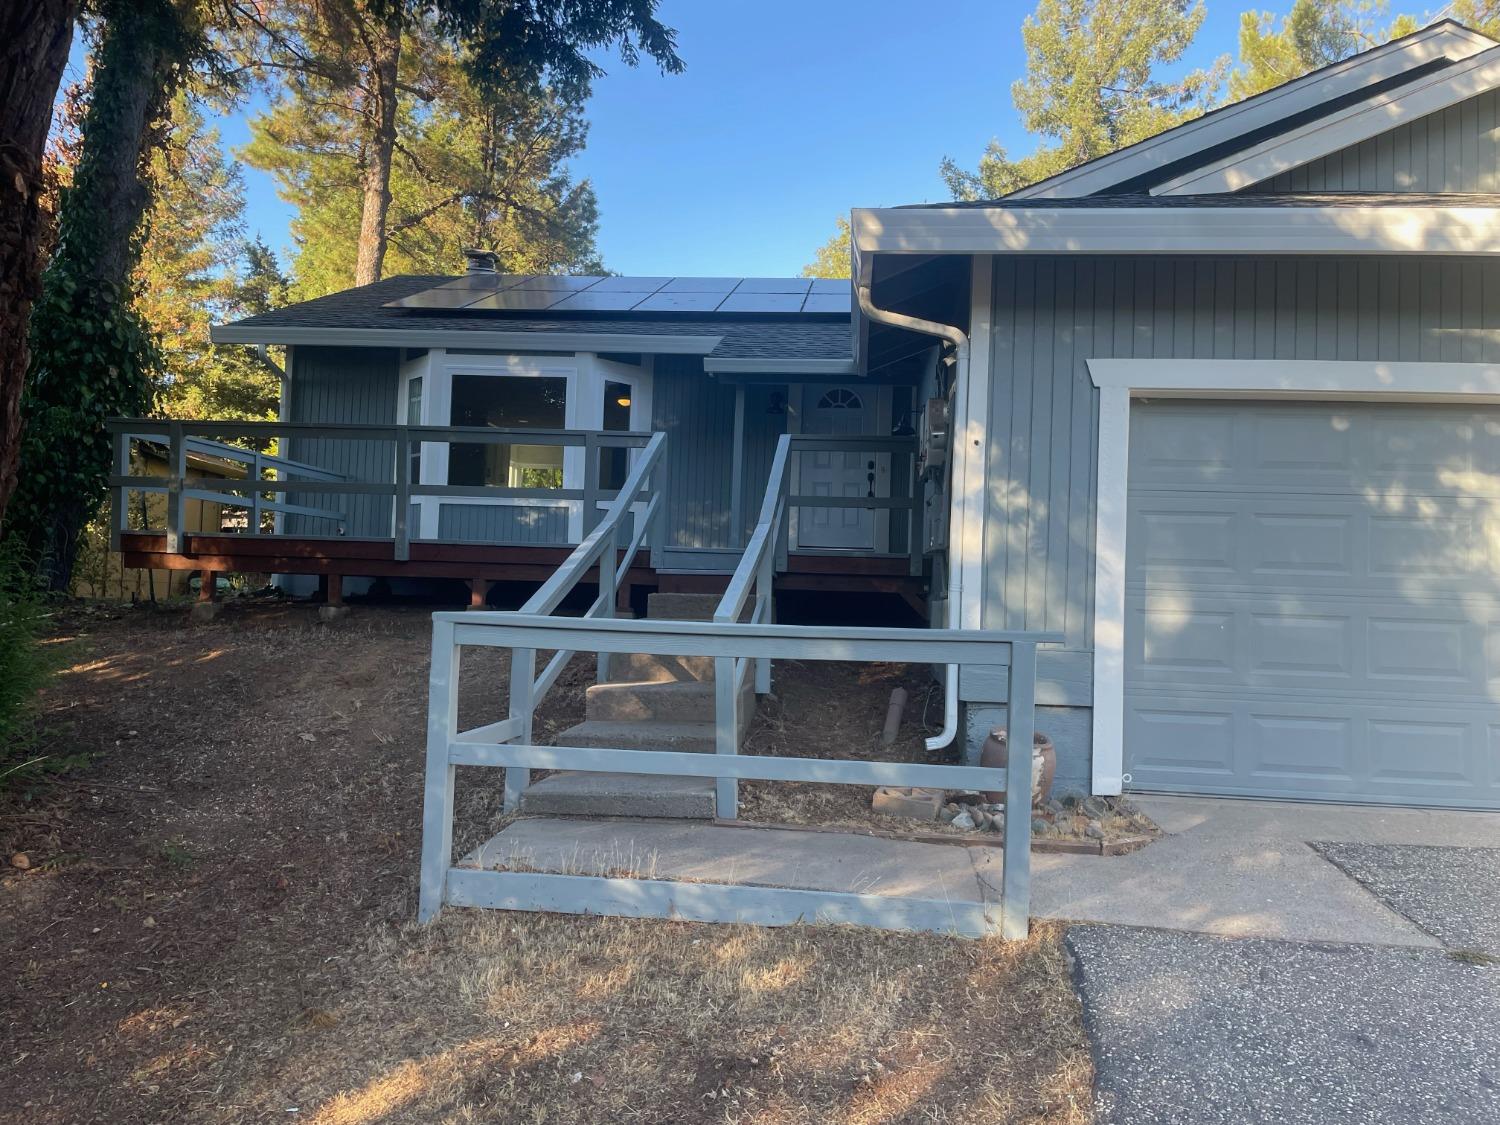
(409,335)
(1120,380)
(1349,126)
(1442,40)
(1355,230)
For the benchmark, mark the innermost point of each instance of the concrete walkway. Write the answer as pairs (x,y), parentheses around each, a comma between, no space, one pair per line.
(1225,867)
(1246,869)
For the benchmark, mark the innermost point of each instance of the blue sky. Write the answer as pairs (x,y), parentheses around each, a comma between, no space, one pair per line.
(790,113)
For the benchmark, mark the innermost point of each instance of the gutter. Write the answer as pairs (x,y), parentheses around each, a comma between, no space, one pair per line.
(959,340)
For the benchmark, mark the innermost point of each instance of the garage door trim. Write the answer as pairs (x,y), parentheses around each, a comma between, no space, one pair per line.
(1120,380)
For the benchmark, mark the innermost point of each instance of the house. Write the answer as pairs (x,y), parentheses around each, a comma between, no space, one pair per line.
(1223,409)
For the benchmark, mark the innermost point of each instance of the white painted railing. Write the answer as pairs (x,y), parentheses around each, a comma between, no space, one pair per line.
(602,548)
(180,438)
(509,744)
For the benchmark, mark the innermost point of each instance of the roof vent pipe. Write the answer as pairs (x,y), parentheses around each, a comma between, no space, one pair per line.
(481,261)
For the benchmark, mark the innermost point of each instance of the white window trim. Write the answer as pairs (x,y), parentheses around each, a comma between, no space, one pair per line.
(1120,380)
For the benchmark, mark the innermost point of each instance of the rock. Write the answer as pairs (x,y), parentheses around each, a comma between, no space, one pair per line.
(1095,808)
(1070,801)
(20,861)
(948,813)
(997,823)
(915,804)
(1095,830)
(963,820)
(1055,807)
(1039,825)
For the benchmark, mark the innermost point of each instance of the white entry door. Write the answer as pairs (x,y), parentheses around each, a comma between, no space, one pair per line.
(842,411)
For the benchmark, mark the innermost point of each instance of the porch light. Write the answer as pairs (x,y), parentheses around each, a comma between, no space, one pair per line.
(623,400)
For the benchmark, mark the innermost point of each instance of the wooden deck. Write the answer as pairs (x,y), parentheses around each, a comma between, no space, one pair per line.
(477,562)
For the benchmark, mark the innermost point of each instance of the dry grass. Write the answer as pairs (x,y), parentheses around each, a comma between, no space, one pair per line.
(215,928)
(524,1018)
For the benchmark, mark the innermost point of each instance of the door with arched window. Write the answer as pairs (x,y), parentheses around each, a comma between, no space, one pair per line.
(844,411)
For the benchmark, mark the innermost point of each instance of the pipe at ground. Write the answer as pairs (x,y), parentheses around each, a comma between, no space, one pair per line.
(893,715)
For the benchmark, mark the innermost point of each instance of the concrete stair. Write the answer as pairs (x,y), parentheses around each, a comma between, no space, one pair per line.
(651,702)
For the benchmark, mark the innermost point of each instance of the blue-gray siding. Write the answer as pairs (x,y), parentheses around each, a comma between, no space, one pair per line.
(1050,315)
(487,523)
(1453,150)
(352,385)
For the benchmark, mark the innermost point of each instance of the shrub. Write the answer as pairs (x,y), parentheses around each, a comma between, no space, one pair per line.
(25,665)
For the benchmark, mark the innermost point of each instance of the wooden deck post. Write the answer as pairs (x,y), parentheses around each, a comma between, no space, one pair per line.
(335,589)
(206,608)
(333,608)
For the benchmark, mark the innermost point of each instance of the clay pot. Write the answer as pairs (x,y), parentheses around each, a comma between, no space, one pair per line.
(995,755)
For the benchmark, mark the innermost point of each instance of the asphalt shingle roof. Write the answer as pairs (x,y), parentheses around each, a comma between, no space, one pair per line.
(768,337)
(1235,199)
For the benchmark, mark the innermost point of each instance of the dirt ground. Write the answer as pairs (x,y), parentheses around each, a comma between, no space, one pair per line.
(215,923)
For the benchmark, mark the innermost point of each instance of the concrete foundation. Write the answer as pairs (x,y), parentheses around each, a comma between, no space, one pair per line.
(203,612)
(332,613)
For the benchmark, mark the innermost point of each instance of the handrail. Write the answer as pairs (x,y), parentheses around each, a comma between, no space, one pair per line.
(601,547)
(181,437)
(510,744)
(766,549)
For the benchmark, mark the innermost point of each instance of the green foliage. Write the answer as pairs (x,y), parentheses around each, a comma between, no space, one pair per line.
(832,258)
(1092,86)
(1481,15)
(1313,34)
(25,665)
(470,169)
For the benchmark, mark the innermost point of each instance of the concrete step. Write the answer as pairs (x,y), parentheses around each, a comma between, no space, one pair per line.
(681,607)
(687,738)
(645,667)
(621,794)
(675,701)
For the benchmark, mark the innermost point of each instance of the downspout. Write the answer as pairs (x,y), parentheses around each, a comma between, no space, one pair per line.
(960,341)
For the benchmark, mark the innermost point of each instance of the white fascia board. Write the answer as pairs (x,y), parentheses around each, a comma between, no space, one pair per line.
(737,366)
(412,337)
(1440,41)
(1349,126)
(1351,230)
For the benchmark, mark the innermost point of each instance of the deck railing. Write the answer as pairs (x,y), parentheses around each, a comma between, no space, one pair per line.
(308,481)
(608,549)
(509,744)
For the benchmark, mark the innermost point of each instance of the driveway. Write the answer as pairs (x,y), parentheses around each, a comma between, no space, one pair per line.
(1385,1007)
(1250,869)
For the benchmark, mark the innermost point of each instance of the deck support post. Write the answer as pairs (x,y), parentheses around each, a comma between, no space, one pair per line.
(335,589)
(206,608)
(479,592)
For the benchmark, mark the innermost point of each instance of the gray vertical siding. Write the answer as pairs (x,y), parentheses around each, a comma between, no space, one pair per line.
(486,523)
(1453,150)
(762,431)
(352,385)
(1051,315)
(697,414)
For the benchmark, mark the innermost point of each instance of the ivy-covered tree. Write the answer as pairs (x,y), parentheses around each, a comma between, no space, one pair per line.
(351,52)
(832,258)
(1092,86)
(93,356)
(34,40)
(1314,33)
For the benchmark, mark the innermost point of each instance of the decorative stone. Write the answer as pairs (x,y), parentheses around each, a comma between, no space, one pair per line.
(1096,808)
(1095,830)
(963,820)
(912,803)
(997,823)
(1039,824)
(1056,807)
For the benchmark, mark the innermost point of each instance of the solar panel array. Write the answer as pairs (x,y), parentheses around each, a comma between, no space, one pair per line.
(501,292)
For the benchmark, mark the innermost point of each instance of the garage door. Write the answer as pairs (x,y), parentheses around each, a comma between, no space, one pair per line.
(1313,601)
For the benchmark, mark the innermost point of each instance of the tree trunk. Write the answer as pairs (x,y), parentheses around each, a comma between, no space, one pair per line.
(380,149)
(34,40)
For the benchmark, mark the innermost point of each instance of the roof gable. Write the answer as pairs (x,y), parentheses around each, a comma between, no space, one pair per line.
(1257,121)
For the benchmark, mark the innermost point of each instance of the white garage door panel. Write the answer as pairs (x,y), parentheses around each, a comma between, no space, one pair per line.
(1313,601)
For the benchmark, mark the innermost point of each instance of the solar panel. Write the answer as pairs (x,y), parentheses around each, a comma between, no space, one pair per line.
(723,285)
(514,300)
(629,284)
(561,284)
(681,302)
(762,302)
(592,300)
(439,299)
(774,285)
(831,285)
(828,303)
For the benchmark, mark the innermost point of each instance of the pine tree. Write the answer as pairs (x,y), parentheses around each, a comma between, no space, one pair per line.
(1313,34)
(1092,87)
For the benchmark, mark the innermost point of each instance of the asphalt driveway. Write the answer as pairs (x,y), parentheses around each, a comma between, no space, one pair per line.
(1388,1011)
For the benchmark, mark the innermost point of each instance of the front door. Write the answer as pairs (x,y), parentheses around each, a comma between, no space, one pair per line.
(840,411)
